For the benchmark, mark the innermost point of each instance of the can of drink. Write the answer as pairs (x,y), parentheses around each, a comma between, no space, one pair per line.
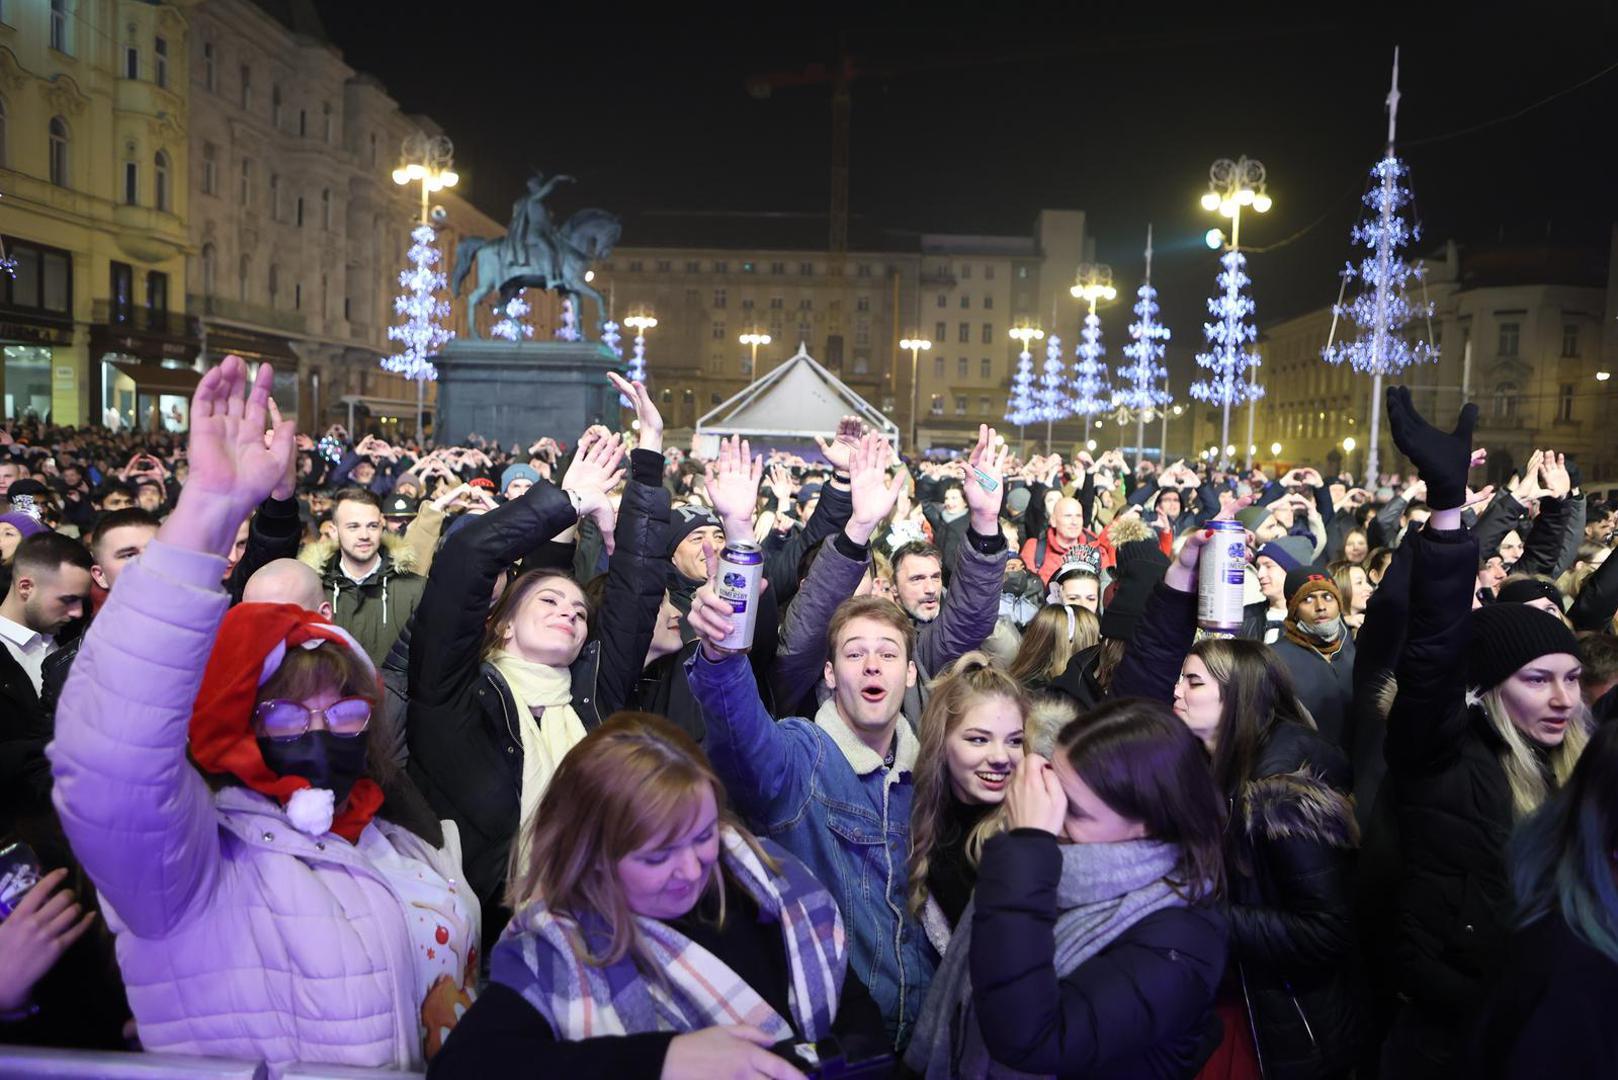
(1221,576)
(19,872)
(741,570)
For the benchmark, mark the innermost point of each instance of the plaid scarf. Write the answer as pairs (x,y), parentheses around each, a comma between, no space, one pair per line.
(539,956)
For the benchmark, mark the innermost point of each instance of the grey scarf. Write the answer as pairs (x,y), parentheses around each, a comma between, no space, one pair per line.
(1105,889)
(1326,632)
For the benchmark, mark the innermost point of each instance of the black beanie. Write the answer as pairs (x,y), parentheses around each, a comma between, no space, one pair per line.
(1140,551)
(686,520)
(1507,636)
(1526,589)
(1132,585)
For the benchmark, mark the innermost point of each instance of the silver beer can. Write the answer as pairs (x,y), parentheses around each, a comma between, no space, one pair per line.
(741,572)
(1221,575)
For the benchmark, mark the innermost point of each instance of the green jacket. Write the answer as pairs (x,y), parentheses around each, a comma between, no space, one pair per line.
(376,610)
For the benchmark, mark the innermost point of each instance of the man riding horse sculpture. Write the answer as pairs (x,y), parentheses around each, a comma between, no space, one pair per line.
(535,254)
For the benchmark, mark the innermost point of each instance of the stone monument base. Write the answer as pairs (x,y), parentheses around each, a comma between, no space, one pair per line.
(519,391)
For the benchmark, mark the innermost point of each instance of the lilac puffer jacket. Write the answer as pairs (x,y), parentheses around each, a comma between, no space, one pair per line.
(238,936)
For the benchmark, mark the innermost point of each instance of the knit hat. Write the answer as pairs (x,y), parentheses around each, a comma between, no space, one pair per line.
(1507,636)
(1134,578)
(400,505)
(27,524)
(1309,579)
(1017,500)
(519,471)
(1521,591)
(1146,552)
(1252,517)
(1289,553)
(685,521)
(250,646)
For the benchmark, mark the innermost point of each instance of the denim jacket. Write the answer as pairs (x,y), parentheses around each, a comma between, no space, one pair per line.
(824,796)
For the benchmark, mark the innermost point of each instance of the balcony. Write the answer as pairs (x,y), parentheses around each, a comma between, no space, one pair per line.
(144,332)
(240,311)
(140,320)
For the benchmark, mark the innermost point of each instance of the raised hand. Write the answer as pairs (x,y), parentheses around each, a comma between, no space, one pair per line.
(733,486)
(1443,459)
(781,485)
(595,472)
(35,935)
(841,447)
(984,481)
(287,486)
(1553,475)
(710,616)
(1527,487)
(651,421)
(872,493)
(1035,799)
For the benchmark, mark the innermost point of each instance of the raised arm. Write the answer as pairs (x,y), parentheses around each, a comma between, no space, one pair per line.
(138,815)
(973,601)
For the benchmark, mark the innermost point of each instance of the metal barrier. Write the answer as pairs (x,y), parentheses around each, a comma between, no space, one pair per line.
(41,1063)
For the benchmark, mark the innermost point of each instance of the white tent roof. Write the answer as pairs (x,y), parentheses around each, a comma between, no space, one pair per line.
(798,400)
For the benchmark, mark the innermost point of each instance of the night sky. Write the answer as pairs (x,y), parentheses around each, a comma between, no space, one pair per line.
(973,126)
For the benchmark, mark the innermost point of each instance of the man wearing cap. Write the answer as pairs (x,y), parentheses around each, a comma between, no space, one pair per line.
(1318,650)
(1262,620)
(367,572)
(517,479)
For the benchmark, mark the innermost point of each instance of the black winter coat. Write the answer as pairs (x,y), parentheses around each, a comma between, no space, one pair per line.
(1325,685)
(1449,797)
(465,746)
(1141,1007)
(1289,858)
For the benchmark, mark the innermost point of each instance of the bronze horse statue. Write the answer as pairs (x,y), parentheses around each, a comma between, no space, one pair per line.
(586,236)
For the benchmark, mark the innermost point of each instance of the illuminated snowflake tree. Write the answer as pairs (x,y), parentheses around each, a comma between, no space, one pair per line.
(423,334)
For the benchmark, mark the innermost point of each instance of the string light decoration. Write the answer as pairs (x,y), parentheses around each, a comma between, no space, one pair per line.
(1020,406)
(1140,392)
(1050,399)
(569,330)
(8,265)
(637,359)
(1228,358)
(1091,394)
(1383,309)
(610,338)
(512,326)
(423,333)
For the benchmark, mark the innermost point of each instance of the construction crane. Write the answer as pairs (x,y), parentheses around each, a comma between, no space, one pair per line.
(840,75)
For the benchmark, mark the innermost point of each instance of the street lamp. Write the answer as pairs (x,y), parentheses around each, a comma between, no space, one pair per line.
(1603,376)
(753,339)
(640,323)
(1091,393)
(1275,449)
(917,346)
(428,162)
(1232,186)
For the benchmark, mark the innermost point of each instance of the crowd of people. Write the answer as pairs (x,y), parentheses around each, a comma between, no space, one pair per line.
(322,749)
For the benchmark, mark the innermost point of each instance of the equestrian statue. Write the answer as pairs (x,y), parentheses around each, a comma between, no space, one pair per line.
(535,254)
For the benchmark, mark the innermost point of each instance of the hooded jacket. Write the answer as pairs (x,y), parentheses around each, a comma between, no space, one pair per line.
(374,610)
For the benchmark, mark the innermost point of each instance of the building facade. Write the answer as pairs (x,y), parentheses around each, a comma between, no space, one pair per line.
(93,159)
(963,293)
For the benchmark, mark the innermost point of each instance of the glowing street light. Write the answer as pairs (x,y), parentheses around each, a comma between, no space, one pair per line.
(917,346)
(1275,449)
(753,339)
(640,323)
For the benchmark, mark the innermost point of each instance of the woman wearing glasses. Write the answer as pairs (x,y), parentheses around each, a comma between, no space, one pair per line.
(265,905)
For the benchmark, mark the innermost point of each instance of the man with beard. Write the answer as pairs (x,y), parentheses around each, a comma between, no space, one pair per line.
(947,624)
(367,572)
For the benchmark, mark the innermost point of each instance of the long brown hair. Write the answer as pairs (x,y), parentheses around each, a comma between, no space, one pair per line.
(511,601)
(1050,640)
(1146,765)
(964,683)
(635,779)
(1255,694)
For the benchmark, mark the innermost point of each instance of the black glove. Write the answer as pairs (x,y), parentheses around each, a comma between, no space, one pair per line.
(1443,460)
(1573,474)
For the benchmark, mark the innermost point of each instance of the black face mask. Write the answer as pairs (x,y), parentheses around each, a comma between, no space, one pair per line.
(325,760)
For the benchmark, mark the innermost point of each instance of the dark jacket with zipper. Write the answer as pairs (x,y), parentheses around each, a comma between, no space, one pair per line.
(466,752)
(376,609)
(1290,857)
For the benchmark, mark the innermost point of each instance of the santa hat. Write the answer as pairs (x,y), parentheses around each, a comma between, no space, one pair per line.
(252,642)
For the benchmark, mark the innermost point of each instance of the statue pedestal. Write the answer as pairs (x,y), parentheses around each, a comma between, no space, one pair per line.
(520,391)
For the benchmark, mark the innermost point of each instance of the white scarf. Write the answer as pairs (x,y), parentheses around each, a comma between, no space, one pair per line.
(544,745)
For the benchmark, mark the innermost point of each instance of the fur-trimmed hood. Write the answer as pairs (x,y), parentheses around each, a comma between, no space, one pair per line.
(322,556)
(1298,805)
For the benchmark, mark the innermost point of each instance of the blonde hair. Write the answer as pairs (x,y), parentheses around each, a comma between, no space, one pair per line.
(1050,640)
(964,683)
(1521,765)
(632,781)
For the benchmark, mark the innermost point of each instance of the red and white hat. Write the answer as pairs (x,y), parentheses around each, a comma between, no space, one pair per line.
(251,644)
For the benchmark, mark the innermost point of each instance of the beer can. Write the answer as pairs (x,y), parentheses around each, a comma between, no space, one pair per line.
(1221,575)
(741,570)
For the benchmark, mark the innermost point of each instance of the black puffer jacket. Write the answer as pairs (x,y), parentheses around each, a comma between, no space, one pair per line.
(465,747)
(1450,799)
(1289,857)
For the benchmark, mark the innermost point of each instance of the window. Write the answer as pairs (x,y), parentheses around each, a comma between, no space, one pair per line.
(131,183)
(122,292)
(988,333)
(160,62)
(325,209)
(983,406)
(807,269)
(960,404)
(131,62)
(962,367)
(719,331)
(664,266)
(244,276)
(210,169)
(275,106)
(988,272)
(157,292)
(246,192)
(1564,403)
(668,397)
(778,268)
(862,270)
(303,123)
(940,331)
(938,367)
(210,268)
(634,266)
(325,290)
(328,123)
(966,271)
(966,302)
(986,368)
(963,333)
(943,301)
(692,266)
(59,160)
(862,333)
(1570,341)
(719,298)
(373,148)
(862,303)
(988,303)
(275,283)
(59,27)
(297,297)
(1510,333)
(160,181)
(247,87)
(275,196)
(937,405)
(862,362)
(721,267)
(776,303)
(747,303)
(806,304)
(1022,273)
(1505,401)
(300,212)
(210,68)
(749,268)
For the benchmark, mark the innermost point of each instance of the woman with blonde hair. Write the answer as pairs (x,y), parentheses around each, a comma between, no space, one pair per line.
(654,936)
(1050,641)
(971,733)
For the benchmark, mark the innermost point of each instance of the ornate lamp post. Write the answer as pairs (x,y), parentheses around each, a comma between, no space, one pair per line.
(1091,395)
(917,346)
(428,162)
(753,339)
(640,323)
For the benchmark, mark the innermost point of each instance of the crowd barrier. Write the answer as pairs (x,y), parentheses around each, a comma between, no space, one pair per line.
(41,1063)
